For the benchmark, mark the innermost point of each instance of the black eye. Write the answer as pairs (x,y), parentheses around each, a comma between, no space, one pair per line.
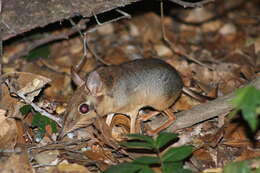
(84,108)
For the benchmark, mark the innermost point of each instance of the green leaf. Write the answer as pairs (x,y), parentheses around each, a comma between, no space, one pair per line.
(41,122)
(37,120)
(164,138)
(39,52)
(141,137)
(170,167)
(146,170)
(137,145)
(248,100)
(174,167)
(182,171)
(177,154)
(124,167)
(250,116)
(53,126)
(237,167)
(147,160)
(25,109)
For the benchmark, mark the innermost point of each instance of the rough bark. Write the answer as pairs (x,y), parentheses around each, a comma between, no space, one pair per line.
(207,110)
(19,16)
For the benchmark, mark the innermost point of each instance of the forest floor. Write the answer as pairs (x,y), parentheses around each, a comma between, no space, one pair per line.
(216,49)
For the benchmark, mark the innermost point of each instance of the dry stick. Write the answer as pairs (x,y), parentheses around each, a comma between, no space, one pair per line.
(191,4)
(169,43)
(85,41)
(207,110)
(125,15)
(83,37)
(35,107)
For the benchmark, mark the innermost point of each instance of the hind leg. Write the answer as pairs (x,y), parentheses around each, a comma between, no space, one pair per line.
(147,116)
(133,117)
(171,119)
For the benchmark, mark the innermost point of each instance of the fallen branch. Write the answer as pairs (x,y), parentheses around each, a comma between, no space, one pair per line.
(207,110)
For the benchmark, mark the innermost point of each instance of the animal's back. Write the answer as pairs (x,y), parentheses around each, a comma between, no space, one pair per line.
(143,82)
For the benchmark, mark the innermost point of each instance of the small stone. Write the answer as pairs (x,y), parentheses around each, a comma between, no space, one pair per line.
(134,31)
(163,50)
(198,15)
(211,26)
(106,29)
(60,109)
(228,29)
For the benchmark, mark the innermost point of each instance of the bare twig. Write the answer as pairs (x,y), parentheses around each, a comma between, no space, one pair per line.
(224,13)
(58,120)
(191,4)
(96,56)
(83,37)
(59,145)
(172,47)
(124,16)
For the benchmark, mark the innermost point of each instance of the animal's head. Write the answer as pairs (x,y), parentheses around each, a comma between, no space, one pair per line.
(82,106)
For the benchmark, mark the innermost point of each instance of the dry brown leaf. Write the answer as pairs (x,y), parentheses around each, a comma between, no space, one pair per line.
(8,132)
(24,82)
(202,159)
(18,163)
(22,137)
(185,103)
(48,157)
(65,167)
(148,25)
(103,158)
(105,132)
(236,135)
(198,15)
(248,154)
(60,84)
(211,26)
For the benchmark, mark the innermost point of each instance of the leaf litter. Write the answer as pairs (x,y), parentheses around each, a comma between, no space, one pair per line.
(227,47)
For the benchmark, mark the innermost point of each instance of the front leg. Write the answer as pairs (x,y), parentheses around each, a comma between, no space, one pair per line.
(109,119)
(133,117)
(133,123)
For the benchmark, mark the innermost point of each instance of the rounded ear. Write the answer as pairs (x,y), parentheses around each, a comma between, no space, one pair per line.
(94,83)
(76,78)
